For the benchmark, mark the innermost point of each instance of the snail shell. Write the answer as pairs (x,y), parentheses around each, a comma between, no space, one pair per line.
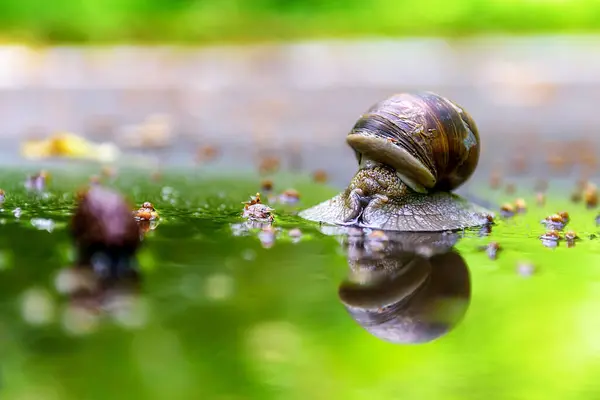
(413,149)
(431,142)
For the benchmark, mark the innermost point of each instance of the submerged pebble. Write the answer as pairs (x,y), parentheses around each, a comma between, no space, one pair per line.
(525,269)
(551,238)
(295,234)
(267,237)
(492,250)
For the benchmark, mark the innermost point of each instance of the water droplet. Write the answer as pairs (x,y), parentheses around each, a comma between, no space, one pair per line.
(219,287)
(249,255)
(43,224)
(79,321)
(37,307)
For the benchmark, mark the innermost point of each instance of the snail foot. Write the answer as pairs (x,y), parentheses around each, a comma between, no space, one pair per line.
(358,202)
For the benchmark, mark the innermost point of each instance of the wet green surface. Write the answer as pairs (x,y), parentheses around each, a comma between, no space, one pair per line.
(220,316)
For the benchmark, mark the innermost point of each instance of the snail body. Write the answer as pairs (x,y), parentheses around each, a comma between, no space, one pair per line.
(412,149)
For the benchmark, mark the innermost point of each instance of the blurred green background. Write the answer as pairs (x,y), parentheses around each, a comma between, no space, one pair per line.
(241,20)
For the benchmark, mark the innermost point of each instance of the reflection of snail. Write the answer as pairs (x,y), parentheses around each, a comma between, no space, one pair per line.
(93,292)
(412,150)
(405,297)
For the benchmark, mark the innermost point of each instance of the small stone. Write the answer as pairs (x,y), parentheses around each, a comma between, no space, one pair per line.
(507,210)
(554,222)
(551,238)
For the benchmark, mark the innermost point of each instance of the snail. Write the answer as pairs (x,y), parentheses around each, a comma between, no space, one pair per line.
(412,150)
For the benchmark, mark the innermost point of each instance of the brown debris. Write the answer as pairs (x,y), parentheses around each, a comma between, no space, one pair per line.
(146,212)
(269,165)
(590,196)
(510,188)
(266,185)
(540,199)
(520,205)
(206,154)
(495,180)
(507,210)
(320,176)
(253,200)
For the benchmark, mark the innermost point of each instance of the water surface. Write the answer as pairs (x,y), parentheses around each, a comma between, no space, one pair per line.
(218,314)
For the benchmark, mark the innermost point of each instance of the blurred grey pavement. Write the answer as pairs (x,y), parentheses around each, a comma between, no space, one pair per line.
(299,99)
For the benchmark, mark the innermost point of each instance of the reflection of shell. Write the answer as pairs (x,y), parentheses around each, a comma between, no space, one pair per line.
(408,298)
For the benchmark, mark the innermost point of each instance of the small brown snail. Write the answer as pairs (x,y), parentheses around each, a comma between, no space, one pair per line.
(413,149)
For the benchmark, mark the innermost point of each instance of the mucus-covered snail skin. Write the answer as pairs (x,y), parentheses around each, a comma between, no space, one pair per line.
(412,149)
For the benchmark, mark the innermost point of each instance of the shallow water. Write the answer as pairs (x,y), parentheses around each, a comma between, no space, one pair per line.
(219,314)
